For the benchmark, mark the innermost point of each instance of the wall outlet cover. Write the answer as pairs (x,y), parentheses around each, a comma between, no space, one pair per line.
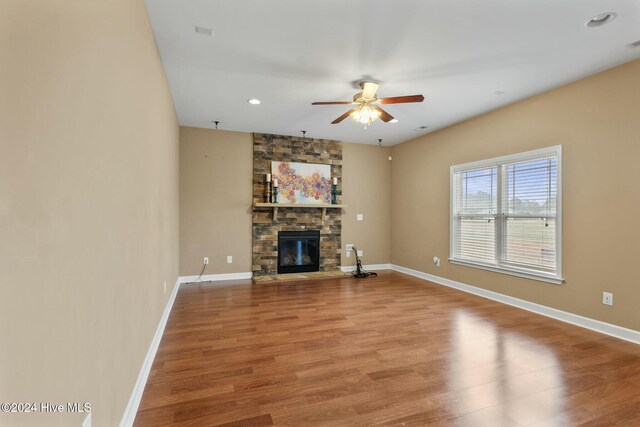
(229,259)
(607,298)
(206,260)
(360,217)
(360,253)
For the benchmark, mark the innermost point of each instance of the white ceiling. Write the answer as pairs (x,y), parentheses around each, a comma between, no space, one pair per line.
(289,53)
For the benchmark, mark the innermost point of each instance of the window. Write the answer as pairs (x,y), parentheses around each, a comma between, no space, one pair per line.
(506,214)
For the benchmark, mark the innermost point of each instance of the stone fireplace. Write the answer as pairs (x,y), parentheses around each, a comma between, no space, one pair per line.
(266,229)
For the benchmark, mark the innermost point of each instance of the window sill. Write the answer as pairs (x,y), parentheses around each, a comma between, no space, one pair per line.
(517,273)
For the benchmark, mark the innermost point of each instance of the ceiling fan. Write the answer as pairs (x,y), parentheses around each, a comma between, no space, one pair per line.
(366,108)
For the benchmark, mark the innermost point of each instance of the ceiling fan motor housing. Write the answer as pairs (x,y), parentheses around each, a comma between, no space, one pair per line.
(358,98)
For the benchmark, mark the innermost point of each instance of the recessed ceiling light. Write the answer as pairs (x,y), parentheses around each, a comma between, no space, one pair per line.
(253,101)
(393,121)
(204,30)
(499,92)
(601,19)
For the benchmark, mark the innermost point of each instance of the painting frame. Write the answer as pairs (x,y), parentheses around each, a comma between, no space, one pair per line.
(302,183)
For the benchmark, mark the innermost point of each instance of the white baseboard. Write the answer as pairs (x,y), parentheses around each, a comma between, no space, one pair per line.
(215,277)
(574,319)
(368,267)
(131,410)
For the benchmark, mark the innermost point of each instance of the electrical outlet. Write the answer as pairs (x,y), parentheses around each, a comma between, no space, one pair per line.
(229,259)
(360,253)
(206,260)
(360,217)
(436,261)
(349,249)
(607,298)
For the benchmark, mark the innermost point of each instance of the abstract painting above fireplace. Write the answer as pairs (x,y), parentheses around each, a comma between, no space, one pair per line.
(303,182)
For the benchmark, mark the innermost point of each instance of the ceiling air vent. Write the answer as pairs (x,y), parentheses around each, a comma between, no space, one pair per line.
(421,128)
(635,44)
(205,31)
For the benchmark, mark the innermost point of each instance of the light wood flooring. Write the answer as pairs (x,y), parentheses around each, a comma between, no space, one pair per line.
(392,350)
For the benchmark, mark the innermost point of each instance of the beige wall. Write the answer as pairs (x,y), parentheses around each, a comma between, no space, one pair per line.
(366,187)
(88,203)
(596,121)
(216,170)
(215,200)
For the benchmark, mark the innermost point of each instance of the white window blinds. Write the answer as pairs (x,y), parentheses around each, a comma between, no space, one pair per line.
(505,214)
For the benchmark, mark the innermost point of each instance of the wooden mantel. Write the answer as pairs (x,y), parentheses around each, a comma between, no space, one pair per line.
(275,206)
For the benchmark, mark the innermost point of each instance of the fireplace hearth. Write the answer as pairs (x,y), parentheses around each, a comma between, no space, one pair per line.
(298,251)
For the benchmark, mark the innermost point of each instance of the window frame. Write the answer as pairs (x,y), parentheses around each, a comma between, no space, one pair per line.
(498,162)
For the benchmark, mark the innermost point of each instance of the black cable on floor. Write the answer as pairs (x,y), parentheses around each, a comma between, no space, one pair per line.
(203,268)
(360,273)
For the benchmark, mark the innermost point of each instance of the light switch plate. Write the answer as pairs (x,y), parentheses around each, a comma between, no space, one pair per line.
(360,217)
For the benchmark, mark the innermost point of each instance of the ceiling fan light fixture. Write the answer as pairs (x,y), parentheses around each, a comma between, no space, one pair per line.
(365,115)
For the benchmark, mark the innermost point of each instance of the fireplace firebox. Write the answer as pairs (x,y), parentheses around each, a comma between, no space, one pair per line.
(298,251)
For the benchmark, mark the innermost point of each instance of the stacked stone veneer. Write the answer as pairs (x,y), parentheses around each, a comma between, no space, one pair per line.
(268,148)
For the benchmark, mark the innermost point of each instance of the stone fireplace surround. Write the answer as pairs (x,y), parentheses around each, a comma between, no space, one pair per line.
(268,148)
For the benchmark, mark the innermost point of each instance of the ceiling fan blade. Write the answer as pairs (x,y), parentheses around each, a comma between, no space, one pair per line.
(369,90)
(332,103)
(384,116)
(401,99)
(342,117)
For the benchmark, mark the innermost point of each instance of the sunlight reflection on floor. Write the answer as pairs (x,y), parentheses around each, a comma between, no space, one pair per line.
(518,378)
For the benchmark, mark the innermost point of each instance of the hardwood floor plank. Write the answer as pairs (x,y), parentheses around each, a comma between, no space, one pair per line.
(257,421)
(391,350)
